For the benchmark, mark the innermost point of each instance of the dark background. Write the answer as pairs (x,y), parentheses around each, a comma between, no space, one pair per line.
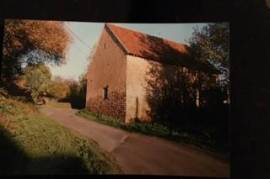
(250,56)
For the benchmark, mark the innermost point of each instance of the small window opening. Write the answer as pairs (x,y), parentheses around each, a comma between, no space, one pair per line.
(105,92)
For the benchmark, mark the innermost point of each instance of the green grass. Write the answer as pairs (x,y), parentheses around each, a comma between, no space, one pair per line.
(155,129)
(159,130)
(32,143)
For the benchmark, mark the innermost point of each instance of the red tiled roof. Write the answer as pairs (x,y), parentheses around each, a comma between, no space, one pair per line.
(151,47)
(136,42)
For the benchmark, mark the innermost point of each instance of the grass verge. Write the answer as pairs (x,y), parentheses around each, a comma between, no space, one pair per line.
(32,143)
(154,129)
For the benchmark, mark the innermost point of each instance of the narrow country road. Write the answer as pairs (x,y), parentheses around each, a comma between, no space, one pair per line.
(140,154)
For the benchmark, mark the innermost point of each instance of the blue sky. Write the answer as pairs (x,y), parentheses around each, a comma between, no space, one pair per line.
(85,36)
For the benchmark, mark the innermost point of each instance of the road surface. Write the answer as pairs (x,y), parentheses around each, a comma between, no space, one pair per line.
(140,154)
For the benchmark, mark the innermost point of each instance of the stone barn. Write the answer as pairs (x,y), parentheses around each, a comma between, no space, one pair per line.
(122,65)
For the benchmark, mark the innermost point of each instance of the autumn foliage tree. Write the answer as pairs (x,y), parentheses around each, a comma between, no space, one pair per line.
(24,36)
(58,88)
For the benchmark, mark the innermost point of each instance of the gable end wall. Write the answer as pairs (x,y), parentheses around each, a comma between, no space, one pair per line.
(108,68)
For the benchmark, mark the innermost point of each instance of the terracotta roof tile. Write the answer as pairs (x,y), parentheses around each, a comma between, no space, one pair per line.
(154,48)
(136,42)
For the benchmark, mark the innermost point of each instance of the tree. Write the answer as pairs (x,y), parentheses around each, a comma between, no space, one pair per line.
(24,36)
(77,95)
(83,84)
(211,44)
(36,80)
(58,88)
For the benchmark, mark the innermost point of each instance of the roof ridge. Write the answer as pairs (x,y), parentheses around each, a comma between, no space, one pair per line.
(136,31)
